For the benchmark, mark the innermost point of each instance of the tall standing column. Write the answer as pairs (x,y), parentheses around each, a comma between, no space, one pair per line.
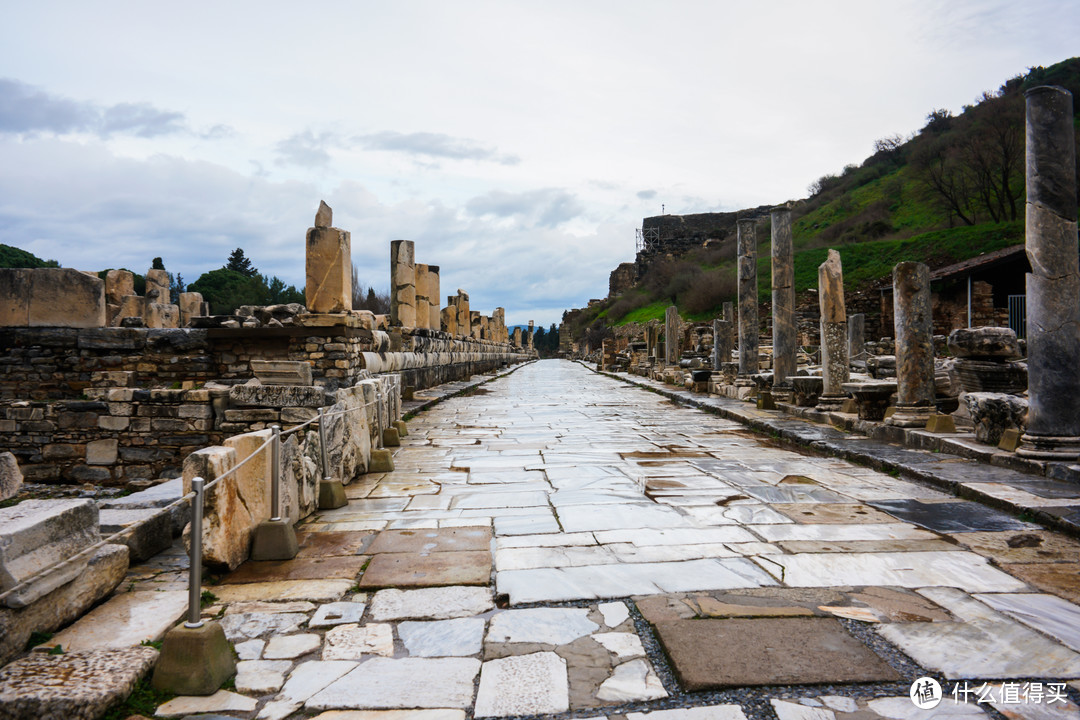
(517,337)
(834,351)
(914,326)
(423,306)
(748,308)
(531,336)
(1053,286)
(783,304)
(434,312)
(402,284)
(671,336)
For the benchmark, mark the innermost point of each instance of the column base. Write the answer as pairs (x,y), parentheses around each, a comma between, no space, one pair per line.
(830,403)
(783,393)
(1049,447)
(275,540)
(194,661)
(910,416)
(331,494)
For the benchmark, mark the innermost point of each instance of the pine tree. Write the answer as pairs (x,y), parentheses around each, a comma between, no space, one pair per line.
(238,262)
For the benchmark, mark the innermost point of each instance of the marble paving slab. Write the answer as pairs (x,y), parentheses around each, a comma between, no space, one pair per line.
(431,541)
(442,638)
(837,533)
(1028,546)
(410,570)
(324,544)
(530,684)
(431,603)
(773,651)
(952,517)
(986,645)
(1046,613)
(384,683)
(839,513)
(919,569)
(549,626)
(308,568)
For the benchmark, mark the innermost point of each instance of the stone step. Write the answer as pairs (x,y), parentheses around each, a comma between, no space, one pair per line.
(126,620)
(36,535)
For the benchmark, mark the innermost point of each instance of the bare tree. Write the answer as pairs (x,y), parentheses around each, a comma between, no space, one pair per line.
(366,298)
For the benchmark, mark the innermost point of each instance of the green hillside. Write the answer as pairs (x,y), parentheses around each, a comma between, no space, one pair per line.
(950,191)
(13,257)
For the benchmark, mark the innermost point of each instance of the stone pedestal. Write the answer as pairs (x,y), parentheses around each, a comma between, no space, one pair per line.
(423,304)
(784,335)
(517,338)
(448,321)
(1053,286)
(464,316)
(871,398)
(402,284)
(328,267)
(986,360)
(748,308)
(914,327)
(834,341)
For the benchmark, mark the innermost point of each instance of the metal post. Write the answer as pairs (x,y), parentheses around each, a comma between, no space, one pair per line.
(322,445)
(195,558)
(275,473)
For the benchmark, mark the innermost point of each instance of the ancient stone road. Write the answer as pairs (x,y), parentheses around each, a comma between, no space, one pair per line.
(612,527)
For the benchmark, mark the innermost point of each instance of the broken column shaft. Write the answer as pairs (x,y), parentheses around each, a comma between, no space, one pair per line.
(834,350)
(402,284)
(914,326)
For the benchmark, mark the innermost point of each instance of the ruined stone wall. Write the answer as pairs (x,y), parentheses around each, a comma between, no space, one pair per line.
(115,436)
(622,279)
(117,405)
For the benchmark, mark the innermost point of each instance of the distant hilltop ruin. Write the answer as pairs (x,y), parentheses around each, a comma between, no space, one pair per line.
(673,236)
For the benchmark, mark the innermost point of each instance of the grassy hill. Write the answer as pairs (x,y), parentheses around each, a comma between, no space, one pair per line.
(13,257)
(951,191)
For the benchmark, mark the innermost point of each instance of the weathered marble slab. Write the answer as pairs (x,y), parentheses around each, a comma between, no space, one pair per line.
(533,684)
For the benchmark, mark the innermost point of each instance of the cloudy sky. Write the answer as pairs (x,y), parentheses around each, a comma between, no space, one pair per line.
(519,144)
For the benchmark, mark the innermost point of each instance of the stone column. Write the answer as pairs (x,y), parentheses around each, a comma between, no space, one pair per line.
(722,344)
(448,319)
(856,337)
(531,335)
(729,313)
(423,306)
(784,336)
(671,336)
(748,307)
(402,284)
(914,327)
(1053,286)
(191,304)
(499,319)
(464,316)
(328,265)
(834,357)
(434,312)
(476,328)
(517,338)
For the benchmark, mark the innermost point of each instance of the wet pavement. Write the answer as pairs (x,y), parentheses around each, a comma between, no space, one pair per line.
(556,542)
